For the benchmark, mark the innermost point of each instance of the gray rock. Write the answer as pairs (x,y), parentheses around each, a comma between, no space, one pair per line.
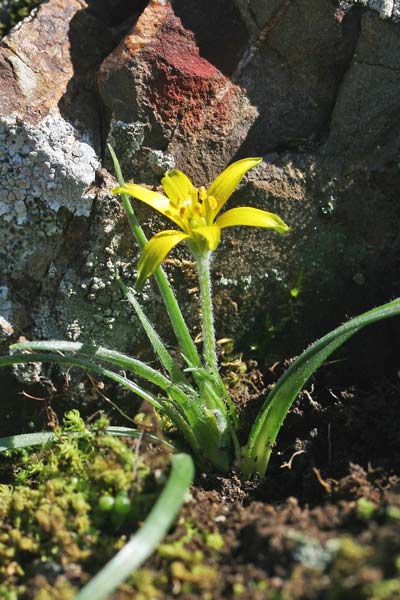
(6,329)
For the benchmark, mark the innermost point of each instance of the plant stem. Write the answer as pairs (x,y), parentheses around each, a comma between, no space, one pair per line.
(174,312)
(207,318)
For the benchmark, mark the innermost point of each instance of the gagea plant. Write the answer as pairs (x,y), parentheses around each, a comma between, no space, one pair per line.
(191,394)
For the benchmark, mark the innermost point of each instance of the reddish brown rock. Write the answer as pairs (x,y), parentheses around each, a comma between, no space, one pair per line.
(188,107)
(33,73)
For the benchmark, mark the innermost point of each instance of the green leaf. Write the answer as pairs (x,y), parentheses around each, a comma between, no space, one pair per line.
(83,363)
(23,440)
(167,406)
(99,353)
(264,432)
(114,357)
(38,438)
(158,346)
(144,542)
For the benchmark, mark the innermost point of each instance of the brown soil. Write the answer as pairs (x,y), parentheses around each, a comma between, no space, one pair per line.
(325,524)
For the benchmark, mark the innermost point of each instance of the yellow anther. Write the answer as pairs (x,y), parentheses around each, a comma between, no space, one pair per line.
(202,193)
(212,202)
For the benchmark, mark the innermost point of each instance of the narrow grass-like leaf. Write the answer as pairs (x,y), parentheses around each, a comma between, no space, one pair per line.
(164,405)
(118,431)
(174,312)
(114,357)
(157,344)
(82,363)
(219,388)
(265,429)
(183,395)
(152,532)
(23,440)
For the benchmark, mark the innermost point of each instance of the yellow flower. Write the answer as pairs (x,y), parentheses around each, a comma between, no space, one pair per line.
(195,211)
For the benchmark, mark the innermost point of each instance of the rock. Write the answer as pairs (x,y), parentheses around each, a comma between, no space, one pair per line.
(294,93)
(6,329)
(310,86)
(50,132)
(185,107)
(365,120)
(385,8)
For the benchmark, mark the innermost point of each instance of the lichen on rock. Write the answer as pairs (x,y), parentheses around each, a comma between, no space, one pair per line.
(385,8)
(48,161)
(13,11)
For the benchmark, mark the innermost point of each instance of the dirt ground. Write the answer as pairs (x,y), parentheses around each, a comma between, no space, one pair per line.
(325,523)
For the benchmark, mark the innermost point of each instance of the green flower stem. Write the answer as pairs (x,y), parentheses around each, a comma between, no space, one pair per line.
(174,312)
(207,318)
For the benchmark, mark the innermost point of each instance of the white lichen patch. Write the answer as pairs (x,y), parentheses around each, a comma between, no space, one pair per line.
(386,8)
(127,137)
(6,329)
(5,304)
(143,164)
(49,161)
(383,7)
(44,168)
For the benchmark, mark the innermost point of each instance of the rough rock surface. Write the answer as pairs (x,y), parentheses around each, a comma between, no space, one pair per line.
(50,141)
(312,87)
(385,8)
(157,81)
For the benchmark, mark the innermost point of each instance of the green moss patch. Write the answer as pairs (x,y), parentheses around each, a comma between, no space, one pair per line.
(68,508)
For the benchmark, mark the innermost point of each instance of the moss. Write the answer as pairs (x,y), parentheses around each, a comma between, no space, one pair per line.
(148,585)
(214,540)
(185,564)
(365,508)
(384,590)
(51,518)
(350,558)
(197,577)
(13,11)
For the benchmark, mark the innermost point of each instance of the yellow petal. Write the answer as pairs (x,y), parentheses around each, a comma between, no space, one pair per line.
(177,186)
(211,233)
(153,199)
(225,184)
(253,217)
(155,252)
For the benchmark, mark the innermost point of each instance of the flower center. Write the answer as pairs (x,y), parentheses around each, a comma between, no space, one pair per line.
(197,210)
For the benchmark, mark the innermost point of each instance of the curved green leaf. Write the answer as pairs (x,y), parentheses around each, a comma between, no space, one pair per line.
(164,405)
(110,356)
(152,532)
(185,400)
(265,429)
(156,342)
(23,440)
